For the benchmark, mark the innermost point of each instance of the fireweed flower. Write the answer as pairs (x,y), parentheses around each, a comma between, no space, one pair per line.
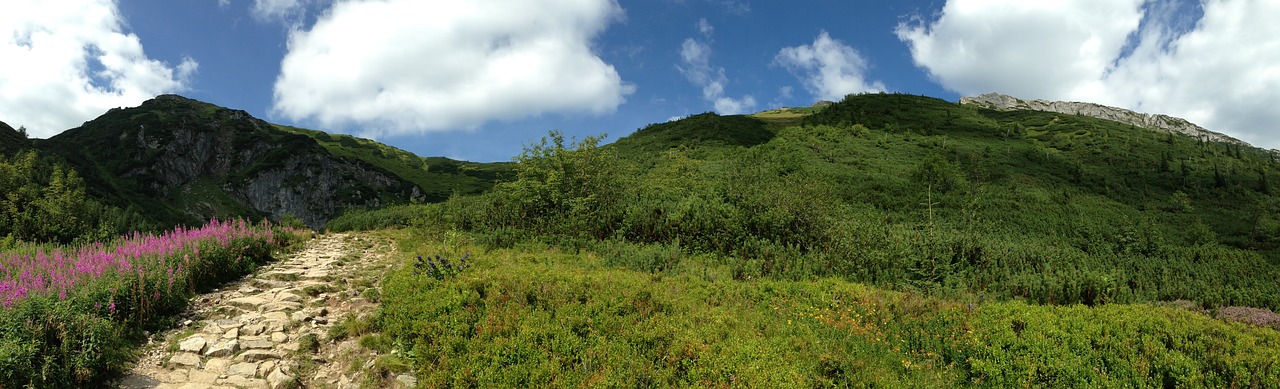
(136,256)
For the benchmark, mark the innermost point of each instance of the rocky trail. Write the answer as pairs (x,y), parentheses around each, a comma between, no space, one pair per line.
(272,328)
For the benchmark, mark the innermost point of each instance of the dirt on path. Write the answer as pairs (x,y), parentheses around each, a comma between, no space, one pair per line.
(271,329)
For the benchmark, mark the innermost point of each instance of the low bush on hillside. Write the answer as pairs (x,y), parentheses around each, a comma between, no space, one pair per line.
(70,314)
(537,316)
(800,207)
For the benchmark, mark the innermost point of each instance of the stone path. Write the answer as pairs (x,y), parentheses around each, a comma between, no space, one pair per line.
(270,330)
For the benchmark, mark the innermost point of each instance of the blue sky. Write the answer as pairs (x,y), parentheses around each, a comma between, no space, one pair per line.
(479,79)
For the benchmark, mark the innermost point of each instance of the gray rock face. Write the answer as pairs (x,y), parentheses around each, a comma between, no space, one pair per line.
(211,161)
(1157,122)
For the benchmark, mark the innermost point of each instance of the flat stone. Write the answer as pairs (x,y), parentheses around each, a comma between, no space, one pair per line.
(289,297)
(257,355)
(223,349)
(251,302)
(300,316)
(274,326)
(203,376)
(407,380)
(281,306)
(193,344)
(266,367)
(278,379)
(246,369)
(256,344)
(279,337)
(212,328)
(185,359)
(243,382)
(138,381)
(252,330)
(233,333)
(228,323)
(275,316)
(217,365)
(249,317)
(177,376)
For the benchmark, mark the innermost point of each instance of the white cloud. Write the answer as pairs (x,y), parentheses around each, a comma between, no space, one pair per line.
(281,10)
(67,62)
(224,3)
(1222,71)
(406,66)
(705,27)
(696,66)
(829,68)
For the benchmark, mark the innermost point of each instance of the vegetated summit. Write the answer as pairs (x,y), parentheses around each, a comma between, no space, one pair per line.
(179,160)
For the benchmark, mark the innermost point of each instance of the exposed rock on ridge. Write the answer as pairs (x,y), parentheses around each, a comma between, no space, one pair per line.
(194,160)
(1158,122)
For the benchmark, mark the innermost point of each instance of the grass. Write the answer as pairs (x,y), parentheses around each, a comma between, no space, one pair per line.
(537,316)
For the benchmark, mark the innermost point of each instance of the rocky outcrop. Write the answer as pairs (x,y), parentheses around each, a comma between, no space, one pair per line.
(1157,122)
(204,161)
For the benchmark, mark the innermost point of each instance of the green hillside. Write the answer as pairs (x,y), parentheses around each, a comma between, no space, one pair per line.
(917,193)
(886,239)
(706,131)
(10,140)
(439,177)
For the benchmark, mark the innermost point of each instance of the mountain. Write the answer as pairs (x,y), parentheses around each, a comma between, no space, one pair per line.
(1002,102)
(11,140)
(183,161)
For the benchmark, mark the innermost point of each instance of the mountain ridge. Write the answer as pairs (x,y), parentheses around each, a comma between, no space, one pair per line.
(1002,102)
(184,161)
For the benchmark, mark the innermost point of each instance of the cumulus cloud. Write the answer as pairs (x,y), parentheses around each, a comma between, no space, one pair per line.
(828,68)
(695,64)
(410,66)
(62,64)
(1220,70)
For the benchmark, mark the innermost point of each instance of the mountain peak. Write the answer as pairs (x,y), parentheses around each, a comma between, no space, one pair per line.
(1002,102)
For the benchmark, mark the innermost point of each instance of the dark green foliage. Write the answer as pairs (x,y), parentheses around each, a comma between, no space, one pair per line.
(707,130)
(55,344)
(42,201)
(12,140)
